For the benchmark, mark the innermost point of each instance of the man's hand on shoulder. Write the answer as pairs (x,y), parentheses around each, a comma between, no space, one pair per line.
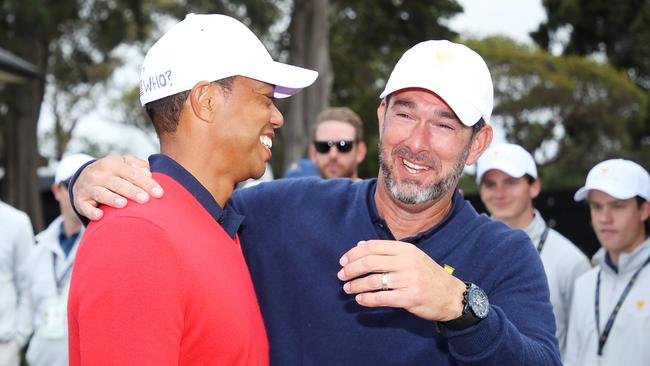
(110,181)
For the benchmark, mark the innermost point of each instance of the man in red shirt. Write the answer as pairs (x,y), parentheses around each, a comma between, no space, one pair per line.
(166,283)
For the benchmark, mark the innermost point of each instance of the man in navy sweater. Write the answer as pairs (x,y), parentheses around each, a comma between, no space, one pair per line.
(398,270)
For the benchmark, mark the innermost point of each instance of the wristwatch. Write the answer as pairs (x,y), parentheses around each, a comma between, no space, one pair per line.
(476,308)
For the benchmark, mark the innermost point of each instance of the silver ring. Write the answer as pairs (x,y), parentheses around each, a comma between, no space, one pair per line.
(384,281)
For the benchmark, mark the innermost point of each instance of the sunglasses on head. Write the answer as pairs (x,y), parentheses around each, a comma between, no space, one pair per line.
(343,146)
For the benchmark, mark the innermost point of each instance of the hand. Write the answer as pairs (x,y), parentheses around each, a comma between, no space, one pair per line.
(110,181)
(415,281)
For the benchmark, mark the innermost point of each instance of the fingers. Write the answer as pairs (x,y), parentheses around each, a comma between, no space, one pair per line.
(371,256)
(86,209)
(111,181)
(367,247)
(383,281)
(366,264)
(129,177)
(136,163)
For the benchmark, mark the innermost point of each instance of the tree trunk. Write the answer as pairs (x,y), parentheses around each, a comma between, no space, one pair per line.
(22,156)
(309,34)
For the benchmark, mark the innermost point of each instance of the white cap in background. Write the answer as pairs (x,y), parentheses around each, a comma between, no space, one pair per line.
(211,47)
(69,165)
(511,159)
(619,178)
(454,72)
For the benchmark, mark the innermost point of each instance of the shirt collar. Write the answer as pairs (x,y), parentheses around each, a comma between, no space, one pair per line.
(227,219)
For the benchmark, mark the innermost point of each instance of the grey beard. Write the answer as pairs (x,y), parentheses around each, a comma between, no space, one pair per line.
(418,195)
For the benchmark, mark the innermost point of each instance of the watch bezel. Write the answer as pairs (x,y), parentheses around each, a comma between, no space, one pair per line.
(477,301)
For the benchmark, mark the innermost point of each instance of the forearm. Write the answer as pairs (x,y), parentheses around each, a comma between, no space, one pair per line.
(497,341)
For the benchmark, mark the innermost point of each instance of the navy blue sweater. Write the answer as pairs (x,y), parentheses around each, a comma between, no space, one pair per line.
(296,230)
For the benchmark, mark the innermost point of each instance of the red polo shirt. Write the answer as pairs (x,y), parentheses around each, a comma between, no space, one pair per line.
(163,284)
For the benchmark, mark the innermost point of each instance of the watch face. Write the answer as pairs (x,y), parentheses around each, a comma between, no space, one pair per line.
(478,301)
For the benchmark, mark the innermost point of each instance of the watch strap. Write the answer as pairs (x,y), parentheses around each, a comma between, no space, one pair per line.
(467,318)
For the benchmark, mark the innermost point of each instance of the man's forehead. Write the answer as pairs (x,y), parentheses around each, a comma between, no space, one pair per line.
(498,174)
(418,98)
(335,129)
(598,196)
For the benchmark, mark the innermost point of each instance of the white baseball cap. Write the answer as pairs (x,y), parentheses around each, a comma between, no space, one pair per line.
(619,178)
(454,72)
(210,47)
(511,159)
(69,165)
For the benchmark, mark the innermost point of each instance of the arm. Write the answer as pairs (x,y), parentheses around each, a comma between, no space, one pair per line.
(24,243)
(110,181)
(127,299)
(519,328)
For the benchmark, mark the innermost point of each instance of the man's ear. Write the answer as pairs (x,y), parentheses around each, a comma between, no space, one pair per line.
(203,100)
(381,114)
(479,143)
(535,188)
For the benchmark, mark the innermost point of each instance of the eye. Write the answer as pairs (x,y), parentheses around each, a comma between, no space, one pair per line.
(402,115)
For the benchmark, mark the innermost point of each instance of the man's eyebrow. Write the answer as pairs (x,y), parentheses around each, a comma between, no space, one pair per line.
(404,103)
(447,114)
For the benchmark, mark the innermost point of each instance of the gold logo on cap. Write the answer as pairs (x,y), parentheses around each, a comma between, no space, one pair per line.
(604,170)
(444,57)
(640,305)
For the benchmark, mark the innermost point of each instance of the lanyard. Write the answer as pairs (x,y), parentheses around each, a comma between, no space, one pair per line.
(59,280)
(542,240)
(602,338)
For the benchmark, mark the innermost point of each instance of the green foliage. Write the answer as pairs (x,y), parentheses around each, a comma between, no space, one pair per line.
(571,112)
(618,30)
(367,38)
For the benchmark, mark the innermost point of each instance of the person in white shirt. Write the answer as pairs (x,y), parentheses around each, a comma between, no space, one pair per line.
(16,239)
(508,183)
(49,266)
(610,316)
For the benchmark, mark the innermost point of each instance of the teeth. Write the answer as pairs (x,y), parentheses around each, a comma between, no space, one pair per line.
(413,168)
(266,141)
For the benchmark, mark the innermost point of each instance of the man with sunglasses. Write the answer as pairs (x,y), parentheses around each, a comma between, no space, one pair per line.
(337,148)
(398,270)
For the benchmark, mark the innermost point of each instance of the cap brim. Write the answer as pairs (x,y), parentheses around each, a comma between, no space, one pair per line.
(288,79)
(582,193)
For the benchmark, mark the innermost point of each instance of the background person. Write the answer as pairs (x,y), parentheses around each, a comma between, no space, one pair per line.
(337,148)
(16,240)
(610,315)
(49,267)
(508,183)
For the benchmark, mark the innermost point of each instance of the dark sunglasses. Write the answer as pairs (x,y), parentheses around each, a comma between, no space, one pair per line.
(343,146)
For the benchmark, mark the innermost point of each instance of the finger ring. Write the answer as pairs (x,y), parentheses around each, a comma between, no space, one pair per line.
(384,281)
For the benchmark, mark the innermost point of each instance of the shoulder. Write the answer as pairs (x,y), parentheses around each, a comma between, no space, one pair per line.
(588,278)
(564,249)
(13,216)
(298,193)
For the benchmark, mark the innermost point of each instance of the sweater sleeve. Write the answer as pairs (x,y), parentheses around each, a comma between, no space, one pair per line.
(520,327)
(126,300)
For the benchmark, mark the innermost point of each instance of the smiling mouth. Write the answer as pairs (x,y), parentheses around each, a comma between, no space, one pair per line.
(412,167)
(266,141)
